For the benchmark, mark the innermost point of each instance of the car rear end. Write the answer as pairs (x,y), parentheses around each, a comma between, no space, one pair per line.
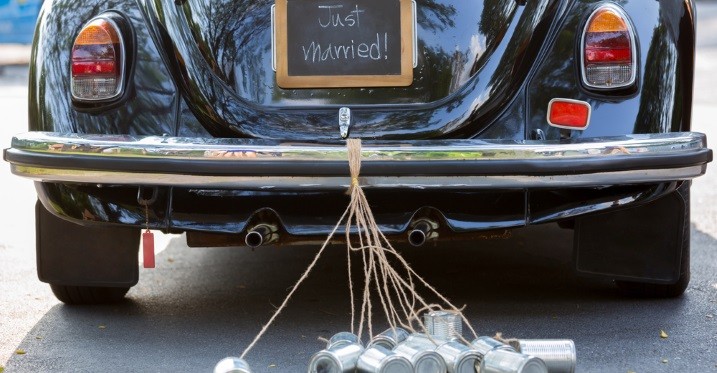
(514,113)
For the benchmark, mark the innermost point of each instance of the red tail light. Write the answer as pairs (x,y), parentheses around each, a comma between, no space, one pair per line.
(608,55)
(98,61)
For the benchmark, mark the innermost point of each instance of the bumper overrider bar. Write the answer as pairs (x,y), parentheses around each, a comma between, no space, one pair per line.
(267,164)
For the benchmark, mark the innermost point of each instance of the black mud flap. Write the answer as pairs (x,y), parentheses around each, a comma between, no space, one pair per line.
(642,244)
(76,255)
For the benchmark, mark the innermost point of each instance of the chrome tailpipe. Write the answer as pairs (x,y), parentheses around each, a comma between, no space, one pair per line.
(261,234)
(422,231)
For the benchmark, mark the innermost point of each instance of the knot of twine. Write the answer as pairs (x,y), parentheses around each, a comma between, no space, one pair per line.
(353,150)
(395,285)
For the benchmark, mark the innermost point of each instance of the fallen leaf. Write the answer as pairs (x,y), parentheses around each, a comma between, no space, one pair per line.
(171,260)
(101,326)
(631,371)
(20,351)
(663,334)
(38,337)
(665,361)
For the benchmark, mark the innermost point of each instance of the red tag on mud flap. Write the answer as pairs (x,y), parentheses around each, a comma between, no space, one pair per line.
(148,249)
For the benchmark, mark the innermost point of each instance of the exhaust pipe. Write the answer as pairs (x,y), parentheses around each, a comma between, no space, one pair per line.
(421,232)
(261,234)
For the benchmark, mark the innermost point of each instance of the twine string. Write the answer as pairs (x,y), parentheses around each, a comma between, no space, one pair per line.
(294,288)
(386,273)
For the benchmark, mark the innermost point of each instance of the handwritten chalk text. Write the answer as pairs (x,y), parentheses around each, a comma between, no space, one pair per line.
(315,52)
(334,17)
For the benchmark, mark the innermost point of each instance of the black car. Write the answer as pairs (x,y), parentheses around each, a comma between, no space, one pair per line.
(226,119)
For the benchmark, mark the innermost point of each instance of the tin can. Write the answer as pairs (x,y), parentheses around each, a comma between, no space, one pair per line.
(378,359)
(232,365)
(429,342)
(421,353)
(559,355)
(459,358)
(389,338)
(502,361)
(446,325)
(486,344)
(343,338)
(342,357)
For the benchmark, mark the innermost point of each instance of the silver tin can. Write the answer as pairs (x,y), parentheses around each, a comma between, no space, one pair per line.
(486,344)
(421,353)
(446,325)
(389,338)
(340,358)
(459,358)
(378,359)
(559,355)
(343,338)
(424,340)
(502,361)
(232,365)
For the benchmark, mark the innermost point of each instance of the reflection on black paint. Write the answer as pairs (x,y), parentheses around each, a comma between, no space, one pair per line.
(218,54)
(435,16)
(664,96)
(148,111)
(657,100)
(475,59)
(109,204)
(655,104)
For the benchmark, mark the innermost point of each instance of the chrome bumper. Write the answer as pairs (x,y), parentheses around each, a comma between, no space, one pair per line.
(265,164)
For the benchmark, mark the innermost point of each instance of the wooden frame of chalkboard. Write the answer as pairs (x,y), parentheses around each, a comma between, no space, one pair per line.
(344,43)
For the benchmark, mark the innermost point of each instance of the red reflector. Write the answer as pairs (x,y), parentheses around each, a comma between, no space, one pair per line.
(569,114)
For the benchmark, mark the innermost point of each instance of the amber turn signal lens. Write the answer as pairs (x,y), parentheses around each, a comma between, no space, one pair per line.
(569,114)
(99,31)
(607,20)
(97,61)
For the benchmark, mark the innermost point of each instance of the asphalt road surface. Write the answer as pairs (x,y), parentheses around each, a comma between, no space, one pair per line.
(201,305)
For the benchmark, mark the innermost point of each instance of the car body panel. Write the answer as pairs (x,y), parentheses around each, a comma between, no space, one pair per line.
(452,87)
(200,77)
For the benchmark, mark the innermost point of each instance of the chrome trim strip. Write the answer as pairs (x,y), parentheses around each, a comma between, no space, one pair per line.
(242,154)
(273,37)
(414,11)
(238,150)
(373,182)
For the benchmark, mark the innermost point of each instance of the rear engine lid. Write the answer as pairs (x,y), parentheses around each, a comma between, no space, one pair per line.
(471,58)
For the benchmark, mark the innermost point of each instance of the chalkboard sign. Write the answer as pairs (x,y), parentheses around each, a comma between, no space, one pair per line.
(344,43)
